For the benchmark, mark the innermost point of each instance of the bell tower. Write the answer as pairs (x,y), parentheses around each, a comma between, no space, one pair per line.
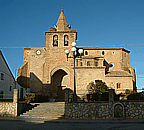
(60,36)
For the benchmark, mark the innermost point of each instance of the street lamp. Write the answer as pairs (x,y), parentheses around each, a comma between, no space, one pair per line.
(74,52)
(15,77)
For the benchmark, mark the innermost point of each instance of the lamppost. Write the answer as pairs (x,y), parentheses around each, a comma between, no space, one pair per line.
(74,52)
(15,78)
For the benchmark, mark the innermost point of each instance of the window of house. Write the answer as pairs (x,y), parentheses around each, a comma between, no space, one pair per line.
(66,40)
(86,53)
(118,85)
(55,40)
(81,64)
(129,71)
(96,63)
(88,63)
(10,88)
(1,93)
(124,54)
(2,76)
(113,52)
(102,52)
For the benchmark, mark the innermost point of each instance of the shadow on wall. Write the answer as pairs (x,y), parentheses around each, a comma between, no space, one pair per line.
(43,91)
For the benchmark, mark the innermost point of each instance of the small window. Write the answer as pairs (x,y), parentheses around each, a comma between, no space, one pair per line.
(66,39)
(10,88)
(88,63)
(96,63)
(86,53)
(118,85)
(55,40)
(129,71)
(124,54)
(2,76)
(1,93)
(81,64)
(102,52)
(113,52)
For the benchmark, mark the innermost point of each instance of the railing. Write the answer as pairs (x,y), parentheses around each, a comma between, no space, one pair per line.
(6,95)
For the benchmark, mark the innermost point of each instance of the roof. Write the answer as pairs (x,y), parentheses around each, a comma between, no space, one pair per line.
(118,74)
(108,48)
(6,64)
(62,23)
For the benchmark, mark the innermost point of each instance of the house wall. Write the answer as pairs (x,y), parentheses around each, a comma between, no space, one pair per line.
(7,81)
(7,84)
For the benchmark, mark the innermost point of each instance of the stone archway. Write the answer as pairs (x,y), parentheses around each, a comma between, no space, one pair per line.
(59,81)
(118,111)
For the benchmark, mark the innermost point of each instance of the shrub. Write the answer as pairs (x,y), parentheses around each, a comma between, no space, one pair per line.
(97,91)
(30,97)
(136,96)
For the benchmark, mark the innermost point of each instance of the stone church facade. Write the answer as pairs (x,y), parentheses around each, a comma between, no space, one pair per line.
(47,72)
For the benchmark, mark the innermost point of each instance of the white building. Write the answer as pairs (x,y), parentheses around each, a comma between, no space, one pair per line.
(7,81)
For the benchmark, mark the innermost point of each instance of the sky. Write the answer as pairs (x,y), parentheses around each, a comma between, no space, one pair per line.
(100,23)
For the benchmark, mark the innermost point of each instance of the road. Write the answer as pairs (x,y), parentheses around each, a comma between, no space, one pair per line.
(13,125)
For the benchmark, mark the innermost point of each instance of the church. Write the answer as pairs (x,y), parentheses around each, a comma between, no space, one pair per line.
(46,71)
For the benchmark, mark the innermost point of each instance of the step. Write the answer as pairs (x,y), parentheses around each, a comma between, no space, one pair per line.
(50,110)
(42,114)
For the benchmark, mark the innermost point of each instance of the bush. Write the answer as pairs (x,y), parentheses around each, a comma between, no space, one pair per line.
(98,97)
(136,96)
(29,97)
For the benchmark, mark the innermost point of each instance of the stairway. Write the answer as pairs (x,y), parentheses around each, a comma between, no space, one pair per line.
(46,110)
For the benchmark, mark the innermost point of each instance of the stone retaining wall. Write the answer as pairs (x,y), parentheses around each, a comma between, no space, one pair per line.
(11,109)
(134,110)
(8,109)
(105,110)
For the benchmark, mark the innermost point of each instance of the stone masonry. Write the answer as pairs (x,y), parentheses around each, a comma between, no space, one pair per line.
(47,72)
(11,109)
(103,110)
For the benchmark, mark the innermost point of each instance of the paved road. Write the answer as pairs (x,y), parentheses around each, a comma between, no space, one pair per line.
(13,125)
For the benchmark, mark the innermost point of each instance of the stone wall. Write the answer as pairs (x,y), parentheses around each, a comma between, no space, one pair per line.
(134,109)
(105,110)
(88,110)
(8,109)
(11,109)
(20,107)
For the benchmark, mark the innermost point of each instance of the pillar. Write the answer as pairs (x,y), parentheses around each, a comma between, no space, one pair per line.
(15,96)
(111,95)
(67,90)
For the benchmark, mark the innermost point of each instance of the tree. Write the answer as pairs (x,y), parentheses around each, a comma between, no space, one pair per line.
(97,91)
(97,87)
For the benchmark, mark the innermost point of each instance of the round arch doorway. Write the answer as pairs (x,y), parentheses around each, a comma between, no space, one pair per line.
(59,81)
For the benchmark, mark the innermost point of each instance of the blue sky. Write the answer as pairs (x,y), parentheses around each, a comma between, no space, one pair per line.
(100,23)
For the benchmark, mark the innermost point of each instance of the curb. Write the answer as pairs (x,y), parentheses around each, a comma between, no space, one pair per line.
(35,120)
(97,121)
